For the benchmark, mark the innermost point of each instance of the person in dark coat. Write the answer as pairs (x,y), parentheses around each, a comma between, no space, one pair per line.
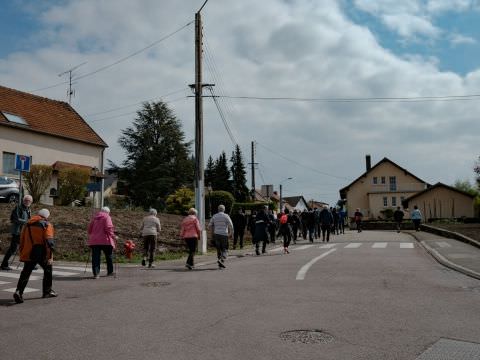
(336,219)
(357,217)
(19,217)
(304,222)
(310,222)
(341,220)
(326,221)
(285,230)
(272,226)
(239,223)
(295,225)
(398,217)
(261,231)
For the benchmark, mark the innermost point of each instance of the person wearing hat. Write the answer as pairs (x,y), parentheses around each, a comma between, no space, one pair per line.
(19,217)
(36,247)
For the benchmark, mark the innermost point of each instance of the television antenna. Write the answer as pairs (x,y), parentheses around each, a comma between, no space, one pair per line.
(69,72)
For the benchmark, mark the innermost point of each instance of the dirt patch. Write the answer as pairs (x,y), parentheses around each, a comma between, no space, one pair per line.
(71,229)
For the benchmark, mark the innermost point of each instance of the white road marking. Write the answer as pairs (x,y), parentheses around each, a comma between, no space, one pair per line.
(17,275)
(303,247)
(73,268)
(56,273)
(280,248)
(379,245)
(4,282)
(27,290)
(327,246)
(443,244)
(303,271)
(353,245)
(406,245)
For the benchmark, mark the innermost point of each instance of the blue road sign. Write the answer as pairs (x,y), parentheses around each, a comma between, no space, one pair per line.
(22,162)
(94,187)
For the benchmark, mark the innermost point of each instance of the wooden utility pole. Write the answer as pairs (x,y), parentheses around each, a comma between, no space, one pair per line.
(199,167)
(253,170)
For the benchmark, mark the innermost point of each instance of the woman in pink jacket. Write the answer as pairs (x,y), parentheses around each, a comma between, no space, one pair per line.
(190,232)
(101,237)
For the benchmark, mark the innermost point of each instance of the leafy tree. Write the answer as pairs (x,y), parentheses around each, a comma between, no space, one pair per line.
(221,180)
(158,160)
(209,171)
(466,186)
(71,185)
(179,202)
(38,180)
(215,198)
(476,169)
(239,179)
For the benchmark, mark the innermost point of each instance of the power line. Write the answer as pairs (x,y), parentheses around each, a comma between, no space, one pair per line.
(120,60)
(300,164)
(360,100)
(222,116)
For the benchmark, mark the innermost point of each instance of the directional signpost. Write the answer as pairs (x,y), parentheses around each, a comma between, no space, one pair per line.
(22,164)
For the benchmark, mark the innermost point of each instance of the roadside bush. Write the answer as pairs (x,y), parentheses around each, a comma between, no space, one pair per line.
(215,198)
(72,185)
(38,180)
(179,202)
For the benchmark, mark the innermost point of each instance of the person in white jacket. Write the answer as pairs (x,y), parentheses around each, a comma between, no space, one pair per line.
(150,229)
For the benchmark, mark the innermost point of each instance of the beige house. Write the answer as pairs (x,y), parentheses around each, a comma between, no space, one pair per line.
(383,186)
(48,131)
(441,201)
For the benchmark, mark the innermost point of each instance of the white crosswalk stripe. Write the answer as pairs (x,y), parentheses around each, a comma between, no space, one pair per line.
(406,246)
(353,245)
(4,282)
(16,275)
(379,245)
(443,244)
(327,246)
(303,247)
(27,290)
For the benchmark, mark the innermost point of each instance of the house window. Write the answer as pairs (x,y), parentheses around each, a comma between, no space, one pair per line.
(383,179)
(394,201)
(393,183)
(385,201)
(15,118)
(375,180)
(8,163)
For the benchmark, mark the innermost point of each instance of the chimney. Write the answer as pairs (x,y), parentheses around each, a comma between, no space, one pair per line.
(368,161)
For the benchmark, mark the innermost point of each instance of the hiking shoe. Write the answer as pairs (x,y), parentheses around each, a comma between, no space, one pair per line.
(189,267)
(111,274)
(144,262)
(6,268)
(96,276)
(221,265)
(18,297)
(50,294)
(257,252)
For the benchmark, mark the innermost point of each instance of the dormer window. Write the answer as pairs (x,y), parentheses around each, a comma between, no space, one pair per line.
(14,118)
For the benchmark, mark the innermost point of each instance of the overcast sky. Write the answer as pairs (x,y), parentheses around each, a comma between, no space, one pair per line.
(321,49)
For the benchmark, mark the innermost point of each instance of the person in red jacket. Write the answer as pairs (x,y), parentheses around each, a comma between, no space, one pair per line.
(36,247)
(190,232)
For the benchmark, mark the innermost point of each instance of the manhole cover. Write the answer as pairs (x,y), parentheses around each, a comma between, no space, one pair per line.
(307,336)
(156,284)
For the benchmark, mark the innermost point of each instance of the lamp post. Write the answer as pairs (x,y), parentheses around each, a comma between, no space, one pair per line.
(289,178)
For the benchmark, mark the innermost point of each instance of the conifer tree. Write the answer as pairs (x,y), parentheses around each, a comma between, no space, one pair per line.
(221,179)
(239,175)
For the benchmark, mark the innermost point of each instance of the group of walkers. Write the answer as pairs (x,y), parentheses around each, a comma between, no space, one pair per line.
(33,236)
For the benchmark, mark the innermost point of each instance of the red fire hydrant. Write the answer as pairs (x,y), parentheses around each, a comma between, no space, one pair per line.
(129,245)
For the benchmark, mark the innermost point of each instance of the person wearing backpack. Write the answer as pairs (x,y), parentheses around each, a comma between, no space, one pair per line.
(19,217)
(36,247)
(285,230)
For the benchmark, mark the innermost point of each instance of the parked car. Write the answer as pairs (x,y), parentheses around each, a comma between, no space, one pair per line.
(9,190)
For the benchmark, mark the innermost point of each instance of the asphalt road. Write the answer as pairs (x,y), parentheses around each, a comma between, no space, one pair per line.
(373,295)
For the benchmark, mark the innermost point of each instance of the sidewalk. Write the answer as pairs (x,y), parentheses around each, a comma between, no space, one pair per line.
(452,253)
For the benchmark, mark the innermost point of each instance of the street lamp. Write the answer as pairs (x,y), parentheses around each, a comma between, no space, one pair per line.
(286,179)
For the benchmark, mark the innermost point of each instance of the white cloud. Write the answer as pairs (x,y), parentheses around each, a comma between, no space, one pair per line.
(459,39)
(268,48)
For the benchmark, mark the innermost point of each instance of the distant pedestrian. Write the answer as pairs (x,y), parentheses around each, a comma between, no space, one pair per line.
(416,218)
(260,235)
(272,226)
(239,224)
(336,219)
(18,217)
(222,228)
(357,217)
(295,225)
(36,247)
(398,217)
(101,237)
(341,220)
(190,232)
(150,230)
(326,221)
(310,222)
(285,230)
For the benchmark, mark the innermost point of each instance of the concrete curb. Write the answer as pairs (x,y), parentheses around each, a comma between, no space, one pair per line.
(444,261)
(450,234)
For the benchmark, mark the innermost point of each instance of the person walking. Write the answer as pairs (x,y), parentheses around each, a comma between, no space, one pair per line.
(260,235)
(336,219)
(272,226)
(398,217)
(101,237)
(326,221)
(357,217)
(190,232)
(18,217)
(222,227)
(36,247)
(285,230)
(416,218)
(150,229)
(239,223)
(341,221)
(295,225)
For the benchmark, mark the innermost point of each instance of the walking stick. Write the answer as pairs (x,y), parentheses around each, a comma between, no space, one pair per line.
(86,263)
(13,258)
(116,259)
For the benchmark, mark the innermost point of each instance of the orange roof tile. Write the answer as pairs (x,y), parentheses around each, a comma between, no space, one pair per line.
(46,116)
